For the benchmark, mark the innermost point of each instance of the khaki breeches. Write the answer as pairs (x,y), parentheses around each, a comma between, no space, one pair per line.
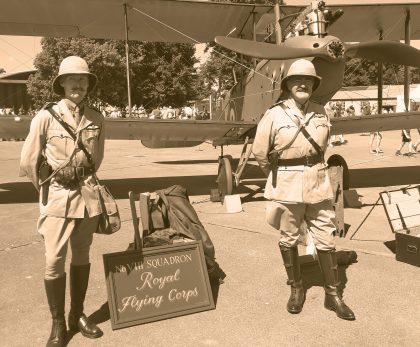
(288,218)
(57,232)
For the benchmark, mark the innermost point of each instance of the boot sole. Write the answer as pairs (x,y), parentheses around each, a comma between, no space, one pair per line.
(342,317)
(77,330)
(92,336)
(296,312)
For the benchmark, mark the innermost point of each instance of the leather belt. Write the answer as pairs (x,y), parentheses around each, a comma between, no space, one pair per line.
(82,171)
(69,176)
(306,161)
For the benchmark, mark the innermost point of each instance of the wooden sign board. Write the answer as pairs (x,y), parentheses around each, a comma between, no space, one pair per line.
(159,283)
(402,208)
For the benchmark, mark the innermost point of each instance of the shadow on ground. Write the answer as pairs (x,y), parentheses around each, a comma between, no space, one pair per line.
(312,276)
(311,272)
(23,192)
(384,176)
(391,245)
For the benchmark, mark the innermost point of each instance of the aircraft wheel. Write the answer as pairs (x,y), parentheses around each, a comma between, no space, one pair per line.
(338,160)
(225,177)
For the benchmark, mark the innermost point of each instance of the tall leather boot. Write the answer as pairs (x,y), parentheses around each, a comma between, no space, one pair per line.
(291,263)
(79,278)
(56,294)
(333,301)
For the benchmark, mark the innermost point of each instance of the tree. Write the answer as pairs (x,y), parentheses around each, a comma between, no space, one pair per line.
(160,73)
(360,72)
(2,70)
(164,74)
(217,73)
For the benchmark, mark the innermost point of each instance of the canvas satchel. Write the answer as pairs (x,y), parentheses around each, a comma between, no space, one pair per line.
(109,219)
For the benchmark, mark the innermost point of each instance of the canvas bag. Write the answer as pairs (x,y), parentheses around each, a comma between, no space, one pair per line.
(109,219)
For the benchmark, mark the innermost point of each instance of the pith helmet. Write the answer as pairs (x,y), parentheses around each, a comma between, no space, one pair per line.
(301,67)
(73,65)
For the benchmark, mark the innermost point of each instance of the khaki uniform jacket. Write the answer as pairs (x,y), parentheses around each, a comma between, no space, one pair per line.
(275,130)
(47,136)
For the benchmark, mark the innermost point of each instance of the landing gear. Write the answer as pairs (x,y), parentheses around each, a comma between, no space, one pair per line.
(225,180)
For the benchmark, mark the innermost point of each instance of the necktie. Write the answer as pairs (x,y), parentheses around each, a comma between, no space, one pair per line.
(76,115)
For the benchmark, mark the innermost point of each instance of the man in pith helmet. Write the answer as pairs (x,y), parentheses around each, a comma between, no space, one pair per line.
(62,171)
(289,146)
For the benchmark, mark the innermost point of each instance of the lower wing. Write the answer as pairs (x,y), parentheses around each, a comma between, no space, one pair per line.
(187,133)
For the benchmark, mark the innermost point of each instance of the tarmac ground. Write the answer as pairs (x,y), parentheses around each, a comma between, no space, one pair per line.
(251,303)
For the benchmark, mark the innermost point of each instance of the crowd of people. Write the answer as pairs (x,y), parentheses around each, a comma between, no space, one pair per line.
(338,109)
(8,111)
(164,112)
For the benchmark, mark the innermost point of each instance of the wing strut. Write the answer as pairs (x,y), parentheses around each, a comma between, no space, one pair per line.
(277,26)
(380,77)
(407,68)
(127,60)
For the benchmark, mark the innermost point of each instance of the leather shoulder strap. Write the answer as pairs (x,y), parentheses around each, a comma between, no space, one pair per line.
(305,133)
(72,134)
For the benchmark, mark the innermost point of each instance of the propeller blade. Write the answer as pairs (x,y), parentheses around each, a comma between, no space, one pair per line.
(384,51)
(263,50)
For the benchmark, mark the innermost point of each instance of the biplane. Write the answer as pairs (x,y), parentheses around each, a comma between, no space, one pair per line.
(272,35)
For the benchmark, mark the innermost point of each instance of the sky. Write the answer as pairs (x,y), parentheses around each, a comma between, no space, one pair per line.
(17,53)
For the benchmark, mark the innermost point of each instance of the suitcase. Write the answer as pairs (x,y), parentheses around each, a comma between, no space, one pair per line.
(402,208)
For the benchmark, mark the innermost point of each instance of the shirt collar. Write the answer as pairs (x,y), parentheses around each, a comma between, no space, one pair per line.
(71,105)
(299,110)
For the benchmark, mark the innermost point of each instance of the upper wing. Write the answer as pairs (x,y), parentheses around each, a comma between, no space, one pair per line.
(362,19)
(148,20)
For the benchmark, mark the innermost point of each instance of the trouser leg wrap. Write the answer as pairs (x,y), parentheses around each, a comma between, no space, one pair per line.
(290,257)
(56,293)
(333,300)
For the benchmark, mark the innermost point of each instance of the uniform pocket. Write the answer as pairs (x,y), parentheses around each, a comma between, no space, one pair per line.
(286,133)
(60,142)
(90,138)
(288,185)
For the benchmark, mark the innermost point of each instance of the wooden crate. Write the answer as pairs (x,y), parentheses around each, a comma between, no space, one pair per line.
(402,208)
